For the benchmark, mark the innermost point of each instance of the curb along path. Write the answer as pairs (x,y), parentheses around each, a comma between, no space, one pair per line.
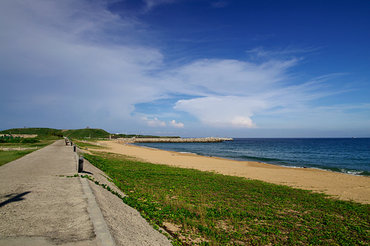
(100,227)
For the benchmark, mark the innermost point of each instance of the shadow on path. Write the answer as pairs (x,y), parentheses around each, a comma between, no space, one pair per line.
(14,198)
(87,172)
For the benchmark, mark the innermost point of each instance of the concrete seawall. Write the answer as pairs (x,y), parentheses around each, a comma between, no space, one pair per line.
(174,140)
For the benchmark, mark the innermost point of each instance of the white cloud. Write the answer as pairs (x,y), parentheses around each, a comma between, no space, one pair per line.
(78,60)
(223,111)
(228,77)
(155,122)
(240,121)
(234,94)
(62,49)
(176,124)
(230,91)
(260,52)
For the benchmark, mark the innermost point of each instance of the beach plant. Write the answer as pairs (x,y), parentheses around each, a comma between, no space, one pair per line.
(205,208)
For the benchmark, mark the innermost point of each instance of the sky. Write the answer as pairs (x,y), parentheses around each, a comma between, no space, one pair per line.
(191,68)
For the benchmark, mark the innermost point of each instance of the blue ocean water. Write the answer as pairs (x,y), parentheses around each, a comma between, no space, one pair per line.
(347,155)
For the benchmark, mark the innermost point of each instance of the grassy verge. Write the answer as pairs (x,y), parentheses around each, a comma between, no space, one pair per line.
(89,145)
(8,156)
(11,155)
(207,209)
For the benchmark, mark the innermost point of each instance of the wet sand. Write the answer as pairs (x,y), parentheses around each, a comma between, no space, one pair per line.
(341,186)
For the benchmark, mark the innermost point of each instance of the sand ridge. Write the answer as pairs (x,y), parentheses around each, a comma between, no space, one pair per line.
(340,185)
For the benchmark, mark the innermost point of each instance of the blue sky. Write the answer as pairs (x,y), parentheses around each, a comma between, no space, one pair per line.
(187,67)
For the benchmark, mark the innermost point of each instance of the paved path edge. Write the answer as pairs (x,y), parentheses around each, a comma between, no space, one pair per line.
(100,226)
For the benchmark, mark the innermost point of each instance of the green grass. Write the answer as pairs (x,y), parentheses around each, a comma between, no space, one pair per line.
(11,155)
(76,133)
(8,156)
(38,131)
(17,140)
(86,133)
(214,209)
(82,145)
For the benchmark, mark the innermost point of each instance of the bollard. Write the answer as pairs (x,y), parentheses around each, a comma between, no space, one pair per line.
(71,143)
(74,148)
(80,164)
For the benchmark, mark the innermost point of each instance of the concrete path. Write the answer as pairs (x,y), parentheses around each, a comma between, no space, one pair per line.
(40,205)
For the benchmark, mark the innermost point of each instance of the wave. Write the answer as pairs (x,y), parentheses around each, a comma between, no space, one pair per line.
(297,164)
(235,151)
(261,159)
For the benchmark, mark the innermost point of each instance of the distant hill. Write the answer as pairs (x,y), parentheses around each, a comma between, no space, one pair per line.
(38,131)
(75,133)
(86,133)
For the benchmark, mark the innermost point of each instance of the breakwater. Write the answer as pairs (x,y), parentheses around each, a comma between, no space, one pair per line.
(174,140)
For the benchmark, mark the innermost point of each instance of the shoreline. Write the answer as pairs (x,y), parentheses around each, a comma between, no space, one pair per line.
(339,185)
(355,172)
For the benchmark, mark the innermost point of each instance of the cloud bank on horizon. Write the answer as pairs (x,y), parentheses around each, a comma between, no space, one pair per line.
(71,64)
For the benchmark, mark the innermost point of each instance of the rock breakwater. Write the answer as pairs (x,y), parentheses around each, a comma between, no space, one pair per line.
(174,140)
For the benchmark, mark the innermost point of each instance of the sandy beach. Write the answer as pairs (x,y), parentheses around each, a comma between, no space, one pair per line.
(341,186)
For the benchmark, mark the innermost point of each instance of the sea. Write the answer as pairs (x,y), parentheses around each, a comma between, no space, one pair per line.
(346,155)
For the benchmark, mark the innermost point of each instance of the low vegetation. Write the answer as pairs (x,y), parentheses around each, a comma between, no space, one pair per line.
(87,133)
(205,208)
(87,145)
(38,131)
(91,134)
(12,148)
(8,156)
(11,139)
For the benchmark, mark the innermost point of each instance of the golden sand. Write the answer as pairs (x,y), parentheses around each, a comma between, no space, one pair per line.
(339,185)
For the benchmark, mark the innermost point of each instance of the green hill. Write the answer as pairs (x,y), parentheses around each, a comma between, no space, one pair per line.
(86,133)
(75,133)
(38,131)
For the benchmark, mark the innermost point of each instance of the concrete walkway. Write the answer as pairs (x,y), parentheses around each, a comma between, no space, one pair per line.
(40,205)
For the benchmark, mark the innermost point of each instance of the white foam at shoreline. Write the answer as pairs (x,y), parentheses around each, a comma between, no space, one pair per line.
(344,171)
